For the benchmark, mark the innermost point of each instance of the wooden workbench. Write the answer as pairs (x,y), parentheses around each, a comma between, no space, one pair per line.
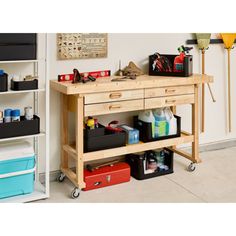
(106,97)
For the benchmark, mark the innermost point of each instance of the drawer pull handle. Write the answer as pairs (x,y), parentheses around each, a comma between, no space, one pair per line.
(170,101)
(115,95)
(170,90)
(114,107)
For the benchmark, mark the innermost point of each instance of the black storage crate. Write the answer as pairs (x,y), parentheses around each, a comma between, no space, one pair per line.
(100,131)
(21,128)
(3,82)
(100,139)
(145,130)
(18,47)
(187,66)
(24,85)
(137,165)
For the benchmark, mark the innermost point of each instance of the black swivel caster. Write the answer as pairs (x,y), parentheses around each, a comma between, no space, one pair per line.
(191,167)
(61,177)
(75,193)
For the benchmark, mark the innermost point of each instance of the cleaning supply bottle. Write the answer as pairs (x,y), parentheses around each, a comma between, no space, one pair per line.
(160,122)
(171,120)
(147,116)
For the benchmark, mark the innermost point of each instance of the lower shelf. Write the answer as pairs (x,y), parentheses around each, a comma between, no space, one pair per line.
(23,137)
(38,194)
(140,147)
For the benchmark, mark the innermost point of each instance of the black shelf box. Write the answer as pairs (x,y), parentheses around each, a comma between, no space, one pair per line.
(100,131)
(137,165)
(187,66)
(3,82)
(100,139)
(15,46)
(24,85)
(20,128)
(145,130)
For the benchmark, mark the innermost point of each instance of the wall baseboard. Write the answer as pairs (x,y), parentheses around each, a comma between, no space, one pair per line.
(203,148)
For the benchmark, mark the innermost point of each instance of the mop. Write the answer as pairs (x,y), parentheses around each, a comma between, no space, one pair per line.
(203,41)
(228,39)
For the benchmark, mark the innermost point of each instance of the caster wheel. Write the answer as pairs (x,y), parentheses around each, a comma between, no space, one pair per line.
(75,193)
(61,177)
(191,167)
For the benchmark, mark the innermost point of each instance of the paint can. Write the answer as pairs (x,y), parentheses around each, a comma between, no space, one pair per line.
(29,113)
(7,115)
(15,115)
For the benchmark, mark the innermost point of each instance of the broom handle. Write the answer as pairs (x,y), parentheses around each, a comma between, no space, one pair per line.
(203,72)
(203,94)
(229,91)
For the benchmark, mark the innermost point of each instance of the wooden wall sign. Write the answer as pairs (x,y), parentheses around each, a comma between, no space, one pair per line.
(81,46)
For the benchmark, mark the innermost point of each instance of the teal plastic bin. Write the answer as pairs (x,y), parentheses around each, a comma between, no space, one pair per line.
(17,169)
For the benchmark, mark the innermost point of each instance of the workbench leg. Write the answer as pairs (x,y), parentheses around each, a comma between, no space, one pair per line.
(64,131)
(80,141)
(195,125)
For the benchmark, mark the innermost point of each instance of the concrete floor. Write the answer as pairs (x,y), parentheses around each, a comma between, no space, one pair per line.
(214,180)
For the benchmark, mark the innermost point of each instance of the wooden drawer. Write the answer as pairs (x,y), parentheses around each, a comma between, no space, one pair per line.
(168,101)
(113,96)
(169,91)
(113,107)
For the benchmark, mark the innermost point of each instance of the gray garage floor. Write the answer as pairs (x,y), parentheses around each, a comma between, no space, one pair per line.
(214,180)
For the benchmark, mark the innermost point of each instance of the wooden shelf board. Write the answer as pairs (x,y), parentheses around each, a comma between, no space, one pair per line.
(144,81)
(90,156)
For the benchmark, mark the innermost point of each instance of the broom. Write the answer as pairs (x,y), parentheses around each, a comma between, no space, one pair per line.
(228,39)
(203,41)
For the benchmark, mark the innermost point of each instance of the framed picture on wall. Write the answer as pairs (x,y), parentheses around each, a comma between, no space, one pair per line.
(81,45)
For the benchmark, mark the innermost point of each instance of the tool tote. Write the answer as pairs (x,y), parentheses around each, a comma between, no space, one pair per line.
(17,169)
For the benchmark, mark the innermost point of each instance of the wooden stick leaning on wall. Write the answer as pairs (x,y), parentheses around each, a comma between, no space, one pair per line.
(229,91)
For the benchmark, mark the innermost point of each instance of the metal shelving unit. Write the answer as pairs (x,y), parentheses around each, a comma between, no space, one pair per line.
(41,189)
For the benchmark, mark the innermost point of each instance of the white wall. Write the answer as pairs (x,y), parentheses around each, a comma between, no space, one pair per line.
(137,47)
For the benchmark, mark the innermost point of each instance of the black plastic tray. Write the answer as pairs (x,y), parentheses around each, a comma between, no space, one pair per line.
(106,141)
(136,162)
(188,66)
(21,128)
(24,85)
(145,130)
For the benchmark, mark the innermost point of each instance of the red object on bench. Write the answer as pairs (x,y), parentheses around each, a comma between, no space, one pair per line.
(95,74)
(107,176)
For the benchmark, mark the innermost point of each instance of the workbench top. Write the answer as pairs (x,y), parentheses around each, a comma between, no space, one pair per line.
(144,81)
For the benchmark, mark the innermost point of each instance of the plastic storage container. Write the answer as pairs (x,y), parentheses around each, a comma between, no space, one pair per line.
(100,139)
(187,66)
(15,46)
(20,128)
(145,130)
(137,162)
(3,82)
(24,85)
(17,169)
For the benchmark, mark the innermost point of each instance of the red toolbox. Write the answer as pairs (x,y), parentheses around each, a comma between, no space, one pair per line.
(107,176)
